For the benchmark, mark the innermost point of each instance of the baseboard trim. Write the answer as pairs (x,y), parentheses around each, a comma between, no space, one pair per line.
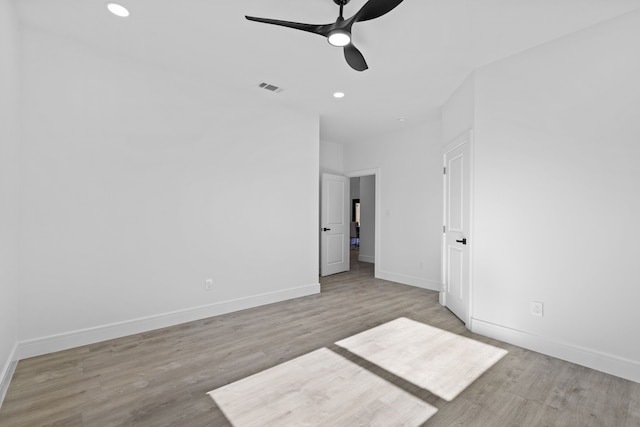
(432,285)
(64,341)
(7,372)
(608,363)
(442,298)
(366,258)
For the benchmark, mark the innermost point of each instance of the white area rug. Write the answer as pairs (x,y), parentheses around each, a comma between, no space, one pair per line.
(319,389)
(439,361)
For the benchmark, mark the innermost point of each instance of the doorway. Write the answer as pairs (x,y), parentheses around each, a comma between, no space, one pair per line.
(364,190)
(363,211)
(336,205)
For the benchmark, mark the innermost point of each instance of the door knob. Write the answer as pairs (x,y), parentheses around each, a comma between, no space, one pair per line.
(463,241)
(326,229)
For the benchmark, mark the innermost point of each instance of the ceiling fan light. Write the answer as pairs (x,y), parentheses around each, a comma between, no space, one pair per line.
(117,9)
(339,38)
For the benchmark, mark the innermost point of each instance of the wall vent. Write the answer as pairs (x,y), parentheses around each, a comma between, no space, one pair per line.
(270,87)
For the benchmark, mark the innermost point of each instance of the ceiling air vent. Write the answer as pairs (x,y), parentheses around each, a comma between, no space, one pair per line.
(270,87)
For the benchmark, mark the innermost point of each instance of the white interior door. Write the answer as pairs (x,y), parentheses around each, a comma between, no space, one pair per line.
(334,224)
(457,224)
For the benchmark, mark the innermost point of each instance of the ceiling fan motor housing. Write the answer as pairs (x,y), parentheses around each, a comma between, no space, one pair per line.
(341,2)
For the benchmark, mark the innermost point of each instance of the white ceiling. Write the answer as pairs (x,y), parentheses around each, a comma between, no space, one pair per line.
(417,54)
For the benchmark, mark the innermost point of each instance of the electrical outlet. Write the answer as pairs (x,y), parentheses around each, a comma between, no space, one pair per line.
(208,284)
(537,308)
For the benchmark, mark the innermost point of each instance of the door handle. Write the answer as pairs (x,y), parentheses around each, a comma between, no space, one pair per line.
(463,241)
(326,229)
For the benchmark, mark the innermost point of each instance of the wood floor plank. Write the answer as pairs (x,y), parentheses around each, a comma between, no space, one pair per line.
(633,416)
(160,378)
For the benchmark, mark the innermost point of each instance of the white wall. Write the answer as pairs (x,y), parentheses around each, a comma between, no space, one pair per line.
(411,201)
(367,218)
(458,113)
(557,155)
(139,185)
(9,191)
(354,187)
(331,158)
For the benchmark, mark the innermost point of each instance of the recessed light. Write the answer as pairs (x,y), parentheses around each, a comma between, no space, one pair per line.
(117,9)
(338,95)
(402,119)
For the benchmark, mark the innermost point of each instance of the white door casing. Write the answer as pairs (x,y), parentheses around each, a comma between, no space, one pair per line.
(334,224)
(456,287)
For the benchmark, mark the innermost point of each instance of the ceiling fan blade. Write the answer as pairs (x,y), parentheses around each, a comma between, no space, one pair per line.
(354,58)
(322,30)
(375,8)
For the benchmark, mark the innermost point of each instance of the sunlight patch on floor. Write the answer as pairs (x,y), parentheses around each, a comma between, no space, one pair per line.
(319,388)
(438,361)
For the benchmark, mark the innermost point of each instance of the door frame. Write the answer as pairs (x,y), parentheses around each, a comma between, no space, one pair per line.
(465,137)
(377,226)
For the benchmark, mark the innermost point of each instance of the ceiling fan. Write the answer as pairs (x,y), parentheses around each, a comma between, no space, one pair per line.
(339,33)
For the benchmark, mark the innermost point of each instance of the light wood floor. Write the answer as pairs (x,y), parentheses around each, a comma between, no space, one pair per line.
(161,378)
